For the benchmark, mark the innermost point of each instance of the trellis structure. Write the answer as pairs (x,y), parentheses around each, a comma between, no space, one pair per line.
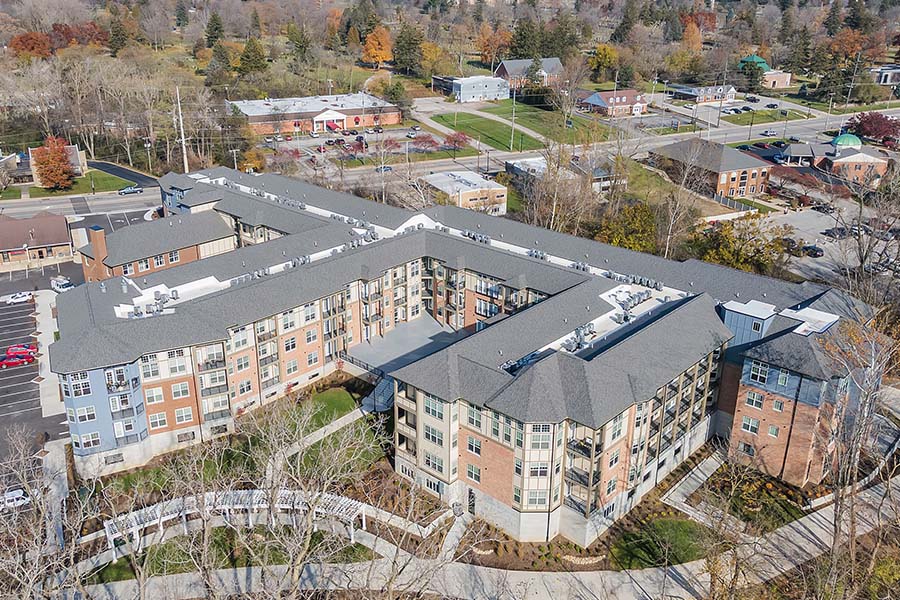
(136,522)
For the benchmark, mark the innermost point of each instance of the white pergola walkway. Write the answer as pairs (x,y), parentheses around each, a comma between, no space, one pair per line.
(333,506)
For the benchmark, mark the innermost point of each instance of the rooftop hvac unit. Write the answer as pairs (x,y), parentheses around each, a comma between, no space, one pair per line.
(301,205)
(420,226)
(335,217)
(335,251)
(156,295)
(130,314)
(368,236)
(658,286)
(174,294)
(149,308)
(305,259)
(375,235)
(137,311)
(256,274)
(265,271)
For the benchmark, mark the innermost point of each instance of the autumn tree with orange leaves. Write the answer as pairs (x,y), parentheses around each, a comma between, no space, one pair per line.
(51,162)
(378,47)
(492,44)
(31,44)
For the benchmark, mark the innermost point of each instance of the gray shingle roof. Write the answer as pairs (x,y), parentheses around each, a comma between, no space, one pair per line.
(804,354)
(252,210)
(710,155)
(519,66)
(160,236)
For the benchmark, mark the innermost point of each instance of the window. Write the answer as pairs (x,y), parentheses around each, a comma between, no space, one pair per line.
(309,313)
(149,366)
(518,466)
(127,269)
(485,308)
(434,463)
(123,428)
(292,367)
(288,321)
(434,407)
(90,440)
(143,264)
(746,449)
(473,473)
(782,377)
(434,436)
(759,371)
(311,336)
(80,384)
(86,414)
(520,437)
(153,395)
(184,415)
(537,497)
(538,469)
(517,494)
(177,366)
(174,256)
(474,446)
(71,414)
(414,269)
(158,420)
(750,425)
(778,405)
(242,362)
(245,387)
(240,338)
(290,344)
(540,441)
(474,417)
(611,486)
(159,261)
(756,326)
(614,459)
(180,390)
(609,509)
(754,399)
(773,431)
(617,426)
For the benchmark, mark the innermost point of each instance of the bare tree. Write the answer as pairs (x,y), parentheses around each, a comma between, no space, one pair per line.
(557,198)
(156,23)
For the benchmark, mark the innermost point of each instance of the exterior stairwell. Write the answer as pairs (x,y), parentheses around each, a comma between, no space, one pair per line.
(381,398)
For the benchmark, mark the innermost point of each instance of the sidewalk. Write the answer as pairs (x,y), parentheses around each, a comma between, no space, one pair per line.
(51,401)
(677,496)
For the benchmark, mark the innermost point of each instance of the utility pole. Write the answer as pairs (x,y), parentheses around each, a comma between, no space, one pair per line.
(181,129)
(830,104)
(147,145)
(722,95)
(234,153)
(852,79)
(512,131)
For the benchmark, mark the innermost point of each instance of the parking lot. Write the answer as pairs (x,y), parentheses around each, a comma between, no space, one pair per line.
(20,401)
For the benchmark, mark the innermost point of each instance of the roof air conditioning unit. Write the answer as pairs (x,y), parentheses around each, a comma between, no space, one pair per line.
(137,311)
(157,295)
(420,226)
(174,294)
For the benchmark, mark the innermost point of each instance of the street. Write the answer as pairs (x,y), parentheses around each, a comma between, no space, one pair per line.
(82,205)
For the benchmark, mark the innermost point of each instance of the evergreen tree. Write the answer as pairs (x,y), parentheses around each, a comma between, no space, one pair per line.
(835,20)
(753,76)
(181,14)
(255,24)
(563,40)
(118,36)
(533,74)
(478,13)
(673,27)
(408,48)
(859,17)
(253,58)
(526,40)
(362,17)
(800,51)
(629,20)
(214,30)
(787,25)
(218,71)
(300,45)
(353,41)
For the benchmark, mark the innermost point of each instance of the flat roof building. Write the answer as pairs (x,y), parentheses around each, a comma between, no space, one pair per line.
(478,88)
(470,190)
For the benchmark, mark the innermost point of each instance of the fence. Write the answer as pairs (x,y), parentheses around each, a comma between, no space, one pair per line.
(361,364)
(732,203)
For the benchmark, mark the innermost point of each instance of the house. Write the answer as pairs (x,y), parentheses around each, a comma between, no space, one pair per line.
(545,383)
(845,157)
(701,94)
(515,71)
(477,88)
(145,248)
(470,190)
(77,159)
(43,236)
(598,172)
(886,75)
(316,113)
(720,170)
(772,79)
(615,103)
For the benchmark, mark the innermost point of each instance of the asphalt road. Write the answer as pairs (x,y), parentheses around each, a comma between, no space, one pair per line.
(20,401)
(82,205)
(124,172)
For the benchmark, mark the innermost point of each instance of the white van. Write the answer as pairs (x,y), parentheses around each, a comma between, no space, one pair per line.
(61,284)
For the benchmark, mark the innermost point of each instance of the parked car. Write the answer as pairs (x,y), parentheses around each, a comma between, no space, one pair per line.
(17,349)
(354,132)
(269,139)
(131,189)
(789,244)
(763,145)
(16,360)
(369,130)
(19,298)
(780,144)
(416,128)
(329,142)
(379,130)
(411,134)
(360,138)
(15,499)
(320,148)
(838,233)
(813,251)
(345,132)
(824,208)
(61,284)
(279,138)
(384,169)
(314,134)
(794,139)
(770,133)
(752,99)
(288,138)
(779,159)
(772,105)
(747,109)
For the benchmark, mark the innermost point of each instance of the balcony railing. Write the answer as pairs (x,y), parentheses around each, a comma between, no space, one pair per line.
(267,383)
(578,504)
(122,385)
(400,301)
(581,476)
(372,297)
(212,391)
(583,447)
(265,335)
(268,360)
(217,415)
(211,364)
(122,413)
(127,440)
(371,318)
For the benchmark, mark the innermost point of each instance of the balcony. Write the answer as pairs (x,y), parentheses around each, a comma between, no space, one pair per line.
(405,403)
(657,402)
(267,383)
(654,427)
(212,391)
(268,360)
(400,301)
(127,440)
(406,429)
(371,319)
(210,364)
(122,385)
(651,453)
(372,297)
(122,414)
(265,336)
(581,477)
(218,415)
(456,283)
(333,333)
(583,447)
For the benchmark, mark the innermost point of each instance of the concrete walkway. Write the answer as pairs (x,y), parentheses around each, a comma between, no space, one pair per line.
(51,400)
(56,483)
(508,123)
(776,553)
(678,494)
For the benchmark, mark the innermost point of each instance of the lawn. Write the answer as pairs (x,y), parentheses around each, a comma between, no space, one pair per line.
(762,501)
(398,159)
(689,128)
(762,208)
(103,182)
(330,404)
(11,193)
(550,123)
(649,187)
(493,133)
(661,541)
(758,117)
(838,107)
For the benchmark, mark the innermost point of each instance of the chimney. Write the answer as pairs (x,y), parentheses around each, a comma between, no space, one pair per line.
(97,239)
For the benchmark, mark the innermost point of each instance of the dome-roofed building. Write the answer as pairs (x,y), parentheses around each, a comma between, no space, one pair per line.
(846,140)
(772,78)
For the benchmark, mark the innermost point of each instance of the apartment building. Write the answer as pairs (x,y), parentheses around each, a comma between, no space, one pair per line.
(579,374)
(155,245)
(467,189)
(713,169)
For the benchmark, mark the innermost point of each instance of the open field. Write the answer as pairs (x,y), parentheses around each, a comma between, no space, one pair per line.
(758,117)
(550,123)
(650,187)
(103,182)
(492,133)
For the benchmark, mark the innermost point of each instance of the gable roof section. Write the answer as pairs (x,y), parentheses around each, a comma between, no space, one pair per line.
(709,155)
(42,229)
(519,66)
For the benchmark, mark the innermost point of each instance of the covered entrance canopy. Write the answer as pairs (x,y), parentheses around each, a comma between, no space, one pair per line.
(329,119)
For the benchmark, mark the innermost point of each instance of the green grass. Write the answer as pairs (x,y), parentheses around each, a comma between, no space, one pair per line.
(514,201)
(550,123)
(838,107)
(493,133)
(762,501)
(762,208)
(103,182)
(645,184)
(399,159)
(689,128)
(759,117)
(11,193)
(331,404)
(664,540)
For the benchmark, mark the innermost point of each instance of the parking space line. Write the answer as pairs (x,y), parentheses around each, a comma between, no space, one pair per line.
(5,404)
(19,412)
(6,386)
(13,317)
(109,219)
(22,374)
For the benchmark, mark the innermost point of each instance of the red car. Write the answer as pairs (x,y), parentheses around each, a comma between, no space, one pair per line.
(18,349)
(16,360)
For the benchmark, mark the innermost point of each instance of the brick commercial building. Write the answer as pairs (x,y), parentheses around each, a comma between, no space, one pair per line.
(552,383)
(714,169)
(467,189)
(772,79)
(516,71)
(316,113)
(845,157)
(155,245)
(43,236)
(617,104)
(702,93)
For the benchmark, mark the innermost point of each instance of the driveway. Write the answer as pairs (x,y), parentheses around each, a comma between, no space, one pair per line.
(137,177)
